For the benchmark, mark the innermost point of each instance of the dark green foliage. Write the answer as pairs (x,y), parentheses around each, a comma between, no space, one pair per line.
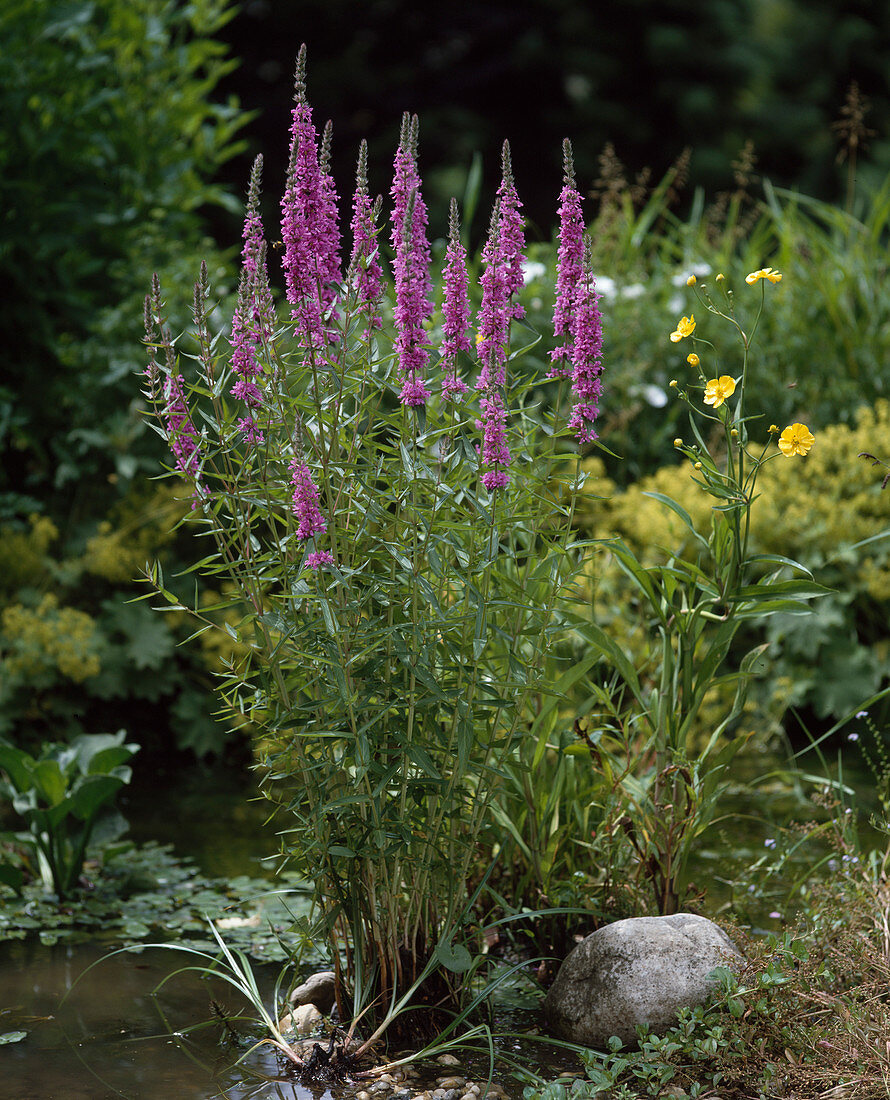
(109,155)
(109,146)
(62,795)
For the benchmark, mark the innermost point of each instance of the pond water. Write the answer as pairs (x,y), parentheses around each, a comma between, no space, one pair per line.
(110,1036)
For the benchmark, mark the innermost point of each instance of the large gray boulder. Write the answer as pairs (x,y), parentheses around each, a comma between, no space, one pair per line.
(637,971)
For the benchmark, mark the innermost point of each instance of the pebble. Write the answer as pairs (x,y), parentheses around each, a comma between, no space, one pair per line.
(451,1082)
(448,1060)
(362,1096)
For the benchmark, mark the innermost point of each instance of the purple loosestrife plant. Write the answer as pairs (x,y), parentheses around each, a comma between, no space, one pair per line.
(393,673)
(569,266)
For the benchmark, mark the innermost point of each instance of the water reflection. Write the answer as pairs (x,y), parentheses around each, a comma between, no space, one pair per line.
(111,1037)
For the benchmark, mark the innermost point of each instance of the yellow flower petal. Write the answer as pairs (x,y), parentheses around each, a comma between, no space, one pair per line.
(685,327)
(718,389)
(763,273)
(796,440)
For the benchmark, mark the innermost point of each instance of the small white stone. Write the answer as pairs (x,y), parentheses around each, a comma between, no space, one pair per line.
(448,1060)
(363,1095)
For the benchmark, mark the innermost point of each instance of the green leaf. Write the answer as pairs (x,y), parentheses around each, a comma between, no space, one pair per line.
(454,957)
(49,781)
(12,1037)
(92,793)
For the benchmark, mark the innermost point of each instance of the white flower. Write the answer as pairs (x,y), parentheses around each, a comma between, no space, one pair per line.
(605,286)
(532,270)
(651,394)
(635,290)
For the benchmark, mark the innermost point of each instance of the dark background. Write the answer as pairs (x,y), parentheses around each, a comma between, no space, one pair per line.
(650,76)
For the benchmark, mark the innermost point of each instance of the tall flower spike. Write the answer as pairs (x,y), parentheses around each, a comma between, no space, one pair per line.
(511,232)
(365,272)
(411,269)
(492,346)
(586,333)
(456,310)
(308,225)
(253,320)
(569,268)
(494,312)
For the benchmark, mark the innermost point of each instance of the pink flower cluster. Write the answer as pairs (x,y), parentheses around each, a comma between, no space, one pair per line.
(309,229)
(411,270)
(311,522)
(456,310)
(576,315)
(365,272)
(570,261)
(254,318)
(181,433)
(502,278)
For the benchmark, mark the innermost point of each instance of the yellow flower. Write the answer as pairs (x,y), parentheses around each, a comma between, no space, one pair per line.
(763,273)
(692,359)
(721,277)
(718,389)
(773,428)
(691,281)
(796,440)
(678,442)
(673,383)
(685,327)
(697,466)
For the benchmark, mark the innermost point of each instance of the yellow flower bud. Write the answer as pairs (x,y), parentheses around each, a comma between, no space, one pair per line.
(678,442)
(691,281)
(734,433)
(673,383)
(692,359)
(773,428)
(721,278)
(697,466)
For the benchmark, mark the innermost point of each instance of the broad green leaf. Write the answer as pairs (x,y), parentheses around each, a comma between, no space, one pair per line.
(454,957)
(92,793)
(49,781)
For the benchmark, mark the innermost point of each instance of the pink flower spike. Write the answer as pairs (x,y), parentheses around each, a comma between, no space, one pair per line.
(365,272)
(411,271)
(570,264)
(511,233)
(587,367)
(254,320)
(309,225)
(305,502)
(181,433)
(495,453)
(456,310)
